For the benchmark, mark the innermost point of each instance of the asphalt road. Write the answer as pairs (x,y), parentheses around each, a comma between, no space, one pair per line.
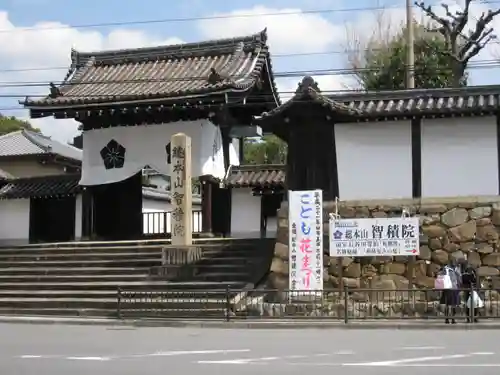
(94,350)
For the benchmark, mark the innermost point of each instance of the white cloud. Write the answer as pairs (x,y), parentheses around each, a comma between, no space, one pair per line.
(297,32)
(51,48)
(291,33)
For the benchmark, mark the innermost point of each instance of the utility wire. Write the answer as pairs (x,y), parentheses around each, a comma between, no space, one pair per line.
(481,64)
(215,17)
(274,56)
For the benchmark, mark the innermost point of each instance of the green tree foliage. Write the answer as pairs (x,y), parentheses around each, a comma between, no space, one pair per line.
(268,150)
(9,124)
(444,46)
(384,65)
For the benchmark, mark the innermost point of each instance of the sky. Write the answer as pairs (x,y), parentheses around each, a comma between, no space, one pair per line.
(299,40)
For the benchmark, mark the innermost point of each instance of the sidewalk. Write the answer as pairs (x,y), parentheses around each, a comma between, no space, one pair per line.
(254,324)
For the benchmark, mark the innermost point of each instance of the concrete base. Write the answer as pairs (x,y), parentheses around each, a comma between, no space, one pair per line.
(178,263)
(180,255)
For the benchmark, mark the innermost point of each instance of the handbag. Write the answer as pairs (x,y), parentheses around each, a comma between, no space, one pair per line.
(443,281)
(474,301)
(439,282)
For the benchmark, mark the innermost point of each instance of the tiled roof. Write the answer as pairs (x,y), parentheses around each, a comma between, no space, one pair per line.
(423,102)
(41,187)
(4,175)
(66,184)
(25,142)
(168,72)
(398,103)
(308,91)
(272,175)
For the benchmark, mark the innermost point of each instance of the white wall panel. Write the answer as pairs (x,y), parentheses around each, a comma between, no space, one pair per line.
(459,157)
(374,160)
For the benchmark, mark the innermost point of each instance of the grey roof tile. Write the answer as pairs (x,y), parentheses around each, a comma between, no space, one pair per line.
(41,187)
(25,142)
(398,103)
(257,176)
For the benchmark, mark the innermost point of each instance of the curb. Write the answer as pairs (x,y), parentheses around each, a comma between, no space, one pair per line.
(250,325)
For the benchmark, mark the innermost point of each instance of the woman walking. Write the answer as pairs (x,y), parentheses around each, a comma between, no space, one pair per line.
(470,284)
(450,297)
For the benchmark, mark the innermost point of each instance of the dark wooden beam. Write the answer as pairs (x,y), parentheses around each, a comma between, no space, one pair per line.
(416,157)
(498,149)
(206,205)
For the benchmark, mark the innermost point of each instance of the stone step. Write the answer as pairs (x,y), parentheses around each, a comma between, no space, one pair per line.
(227,260)
(80,256)
(220,242)
(224,268)
(43,270)
(160,303)
(199,295)
(218,313)
(56,294)
(224,276)
(107,263)
(80,250)
(147,285)
(60,278)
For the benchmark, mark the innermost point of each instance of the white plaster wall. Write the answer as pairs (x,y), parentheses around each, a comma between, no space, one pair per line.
(459,157)
(14,220)
(245,213)
(78,217)
(153,205)
(374,160)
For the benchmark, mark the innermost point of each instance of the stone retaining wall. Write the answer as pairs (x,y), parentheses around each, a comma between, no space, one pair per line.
(450,228)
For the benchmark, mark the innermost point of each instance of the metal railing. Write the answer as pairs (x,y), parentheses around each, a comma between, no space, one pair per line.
(342,305)
(160,222)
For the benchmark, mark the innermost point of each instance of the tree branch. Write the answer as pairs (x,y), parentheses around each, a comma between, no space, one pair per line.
(445,24)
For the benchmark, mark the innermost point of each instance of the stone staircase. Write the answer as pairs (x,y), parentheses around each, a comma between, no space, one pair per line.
(83,279)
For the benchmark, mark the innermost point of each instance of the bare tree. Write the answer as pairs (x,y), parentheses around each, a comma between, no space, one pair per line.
(462,43)
(359,46)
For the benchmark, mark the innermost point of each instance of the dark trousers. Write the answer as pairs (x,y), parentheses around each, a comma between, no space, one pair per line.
(469,311)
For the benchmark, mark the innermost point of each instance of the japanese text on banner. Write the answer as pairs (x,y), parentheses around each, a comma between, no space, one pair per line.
(306,240)
(371,237)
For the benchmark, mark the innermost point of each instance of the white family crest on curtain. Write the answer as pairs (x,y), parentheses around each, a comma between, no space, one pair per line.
(117,153)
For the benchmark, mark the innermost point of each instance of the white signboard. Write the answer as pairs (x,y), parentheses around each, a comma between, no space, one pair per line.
(374,237)
(306,240)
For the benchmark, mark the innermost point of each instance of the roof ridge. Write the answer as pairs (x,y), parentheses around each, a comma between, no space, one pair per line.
(241,167)
(65,176)
(80,57)
(410,93)
(30,136)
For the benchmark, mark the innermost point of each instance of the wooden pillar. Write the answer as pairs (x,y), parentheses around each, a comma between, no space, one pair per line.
(498,150)
(206,205)
(241,150)
(182,192)
(225,194)
(87,227)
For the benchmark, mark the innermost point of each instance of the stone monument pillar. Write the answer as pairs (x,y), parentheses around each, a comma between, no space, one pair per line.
(181,189)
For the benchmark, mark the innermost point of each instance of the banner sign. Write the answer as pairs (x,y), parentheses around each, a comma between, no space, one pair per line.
(374,237)
(305,217)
